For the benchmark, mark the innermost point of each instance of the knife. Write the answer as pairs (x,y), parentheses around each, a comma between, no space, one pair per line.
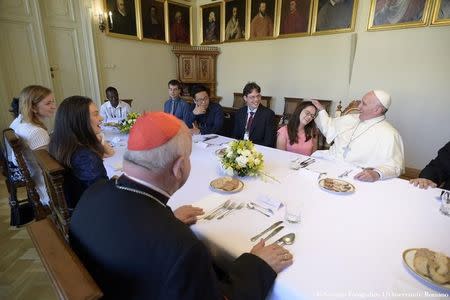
(210,138)
(266,231)
(278,229)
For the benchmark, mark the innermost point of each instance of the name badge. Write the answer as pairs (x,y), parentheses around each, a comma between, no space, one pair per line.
(246,136)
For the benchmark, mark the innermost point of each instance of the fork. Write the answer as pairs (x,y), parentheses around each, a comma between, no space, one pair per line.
(240,206)
(345,174)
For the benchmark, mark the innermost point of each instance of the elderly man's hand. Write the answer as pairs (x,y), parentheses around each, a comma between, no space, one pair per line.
(317,104)
(188,214)
(423,183)
(367,175)
(277,257)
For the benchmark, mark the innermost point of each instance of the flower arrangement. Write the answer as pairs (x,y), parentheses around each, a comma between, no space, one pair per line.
(126,124)
(242,159)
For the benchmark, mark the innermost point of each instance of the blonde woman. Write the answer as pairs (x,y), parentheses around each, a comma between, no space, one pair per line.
(36,104)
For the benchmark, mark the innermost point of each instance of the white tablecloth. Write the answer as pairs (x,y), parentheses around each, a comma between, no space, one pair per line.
(347,246)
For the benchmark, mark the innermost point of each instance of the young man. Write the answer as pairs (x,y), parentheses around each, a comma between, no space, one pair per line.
(205,117)
(254,122)
(114,110)
(176,105)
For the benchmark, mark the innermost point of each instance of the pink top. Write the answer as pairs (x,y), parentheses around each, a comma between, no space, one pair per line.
(301,147)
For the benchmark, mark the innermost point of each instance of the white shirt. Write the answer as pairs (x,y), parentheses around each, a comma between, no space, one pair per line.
(33,137)
(372,143)
(114,114)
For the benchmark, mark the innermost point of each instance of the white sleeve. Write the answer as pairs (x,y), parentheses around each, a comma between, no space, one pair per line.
(38,138)
(326,125)
(127,109)
(395,164)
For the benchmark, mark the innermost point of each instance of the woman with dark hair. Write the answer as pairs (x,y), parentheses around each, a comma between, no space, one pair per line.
(75,144)
(300,134)
(37,105)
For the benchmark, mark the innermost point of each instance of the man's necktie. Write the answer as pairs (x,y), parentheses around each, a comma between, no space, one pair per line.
(249,122)
(174,107)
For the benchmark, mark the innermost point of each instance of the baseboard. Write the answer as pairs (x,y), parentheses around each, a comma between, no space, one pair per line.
(410,173)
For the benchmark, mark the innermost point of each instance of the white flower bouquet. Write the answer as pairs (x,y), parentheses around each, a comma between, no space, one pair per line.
(126,124)
(242,159)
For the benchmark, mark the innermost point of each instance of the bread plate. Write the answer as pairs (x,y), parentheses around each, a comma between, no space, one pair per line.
(226,185)
(336,186)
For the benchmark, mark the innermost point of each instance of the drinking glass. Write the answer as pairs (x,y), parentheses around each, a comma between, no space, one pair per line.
(293,211)
(445,203)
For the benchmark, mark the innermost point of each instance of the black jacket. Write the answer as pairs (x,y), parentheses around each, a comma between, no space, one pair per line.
(262,130)
(438,170)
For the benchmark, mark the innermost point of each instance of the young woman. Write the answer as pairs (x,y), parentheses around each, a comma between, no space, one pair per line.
(75,144)
(300,134)
(37,104)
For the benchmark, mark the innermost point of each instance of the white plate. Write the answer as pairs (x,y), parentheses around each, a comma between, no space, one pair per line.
(339,186)
(237,189)
(408,259)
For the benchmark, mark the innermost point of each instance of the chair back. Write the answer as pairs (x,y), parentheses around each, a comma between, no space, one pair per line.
(352,108)
(53,173)
(238,100)
(129,101)
(290,104)
(69,277)
(12,141)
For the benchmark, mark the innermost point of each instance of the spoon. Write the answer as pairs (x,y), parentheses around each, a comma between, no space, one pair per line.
(287,239)
(262,207)
(252,206)
(241,205)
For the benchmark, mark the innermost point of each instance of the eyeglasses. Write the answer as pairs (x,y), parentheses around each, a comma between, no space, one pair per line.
(202,100)
(308,114)
(254,97)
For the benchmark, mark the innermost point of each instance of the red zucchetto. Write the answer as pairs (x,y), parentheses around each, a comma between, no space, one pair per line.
(152,130)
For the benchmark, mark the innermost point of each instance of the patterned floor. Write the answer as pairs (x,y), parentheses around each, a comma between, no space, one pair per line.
(22,275)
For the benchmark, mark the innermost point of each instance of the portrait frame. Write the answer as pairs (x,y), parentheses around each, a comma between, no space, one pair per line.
(242,6)
(351,10)
(252,11)
(110,6)
(436,19)
(205,10)
(283,9)
(376,16)
(153,33)
(172,8)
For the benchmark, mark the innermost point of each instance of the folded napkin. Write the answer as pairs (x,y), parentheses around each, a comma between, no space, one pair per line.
(269,202)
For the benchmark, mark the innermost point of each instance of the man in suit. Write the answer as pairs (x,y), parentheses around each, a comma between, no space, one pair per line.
(134,246)
(254,122)
(437,172)
(175,105)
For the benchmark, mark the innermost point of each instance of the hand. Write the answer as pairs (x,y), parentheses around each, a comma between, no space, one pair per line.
(368,175)
(317,105)
(195,129)
(188,214)
(423,183)
(277,257)
(199,110)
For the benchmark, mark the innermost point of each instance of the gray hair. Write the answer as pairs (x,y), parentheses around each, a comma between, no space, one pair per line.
(159,158)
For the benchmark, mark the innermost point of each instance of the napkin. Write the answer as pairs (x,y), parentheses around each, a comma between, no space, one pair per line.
(269,202)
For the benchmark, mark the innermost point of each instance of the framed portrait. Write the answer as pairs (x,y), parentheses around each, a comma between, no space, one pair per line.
(211,23)
(122,15)
(398,14)
(334,16)
(179,18)
(262,19)
(441,13)
(235,25)
(153,20)
(295,17)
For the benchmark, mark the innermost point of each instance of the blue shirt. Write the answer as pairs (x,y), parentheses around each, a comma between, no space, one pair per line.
(86,168)
(209,122)
(179,108)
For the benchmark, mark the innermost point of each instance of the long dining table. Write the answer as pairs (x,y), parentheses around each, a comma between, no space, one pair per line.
(347,245)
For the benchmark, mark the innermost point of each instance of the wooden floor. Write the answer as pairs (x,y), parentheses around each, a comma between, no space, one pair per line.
(22,275)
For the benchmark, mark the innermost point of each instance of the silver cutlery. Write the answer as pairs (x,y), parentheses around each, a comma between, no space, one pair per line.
(263,208)
(251,206)
(241,205)
(274,232)
(345,174)
(287,239)
(219,211)
(304,165)
(228,210)
(274,225)
(209,213)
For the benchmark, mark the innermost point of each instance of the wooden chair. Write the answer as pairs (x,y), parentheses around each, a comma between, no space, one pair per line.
(352,108)
(129,101)
(290,104)
(238,100)
(14,181)
(69,277)
(53,173)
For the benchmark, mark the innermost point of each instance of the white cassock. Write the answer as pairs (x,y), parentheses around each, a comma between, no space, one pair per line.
(112,114)
(372,143)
